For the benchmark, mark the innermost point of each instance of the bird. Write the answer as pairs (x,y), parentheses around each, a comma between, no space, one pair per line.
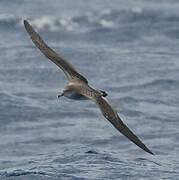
(78,88)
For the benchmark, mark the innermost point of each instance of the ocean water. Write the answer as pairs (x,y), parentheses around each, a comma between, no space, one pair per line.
(128,48)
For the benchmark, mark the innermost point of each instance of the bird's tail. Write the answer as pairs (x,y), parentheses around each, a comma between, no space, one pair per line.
(104,94)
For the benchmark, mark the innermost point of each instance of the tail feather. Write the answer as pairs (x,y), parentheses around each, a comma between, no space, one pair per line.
(104,94)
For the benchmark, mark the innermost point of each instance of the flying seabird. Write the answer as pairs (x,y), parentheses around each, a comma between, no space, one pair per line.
(78,88)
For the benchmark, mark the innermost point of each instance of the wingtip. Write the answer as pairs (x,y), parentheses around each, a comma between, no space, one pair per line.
(26,23)
(148,151)
(28,27)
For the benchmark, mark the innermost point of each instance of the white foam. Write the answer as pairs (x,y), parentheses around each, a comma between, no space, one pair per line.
(53,23)
(7,17)
(137,10)
(106,24)
(45,22)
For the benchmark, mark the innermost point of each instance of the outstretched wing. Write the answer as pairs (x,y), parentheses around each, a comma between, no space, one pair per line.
(113,117)
(67,68)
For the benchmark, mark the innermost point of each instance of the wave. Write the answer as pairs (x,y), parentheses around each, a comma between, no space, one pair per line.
(8,21)
(107,19)
(157,84)
(21,173)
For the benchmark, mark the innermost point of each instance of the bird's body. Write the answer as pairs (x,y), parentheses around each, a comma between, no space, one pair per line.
(71,93)
(79,89)
(75,96)
(73,90)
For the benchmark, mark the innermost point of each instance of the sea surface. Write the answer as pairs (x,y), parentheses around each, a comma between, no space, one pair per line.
(128,48)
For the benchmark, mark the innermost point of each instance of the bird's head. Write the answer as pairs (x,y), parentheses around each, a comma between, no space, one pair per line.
(65,92)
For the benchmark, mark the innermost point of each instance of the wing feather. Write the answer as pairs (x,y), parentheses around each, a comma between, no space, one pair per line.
(67,68)
(115,120)
(111,115)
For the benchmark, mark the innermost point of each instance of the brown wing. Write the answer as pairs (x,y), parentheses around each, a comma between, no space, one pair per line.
(67,68)
(113,117)
(110,114)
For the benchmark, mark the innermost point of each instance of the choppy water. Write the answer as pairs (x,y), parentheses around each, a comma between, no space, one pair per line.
(128,48)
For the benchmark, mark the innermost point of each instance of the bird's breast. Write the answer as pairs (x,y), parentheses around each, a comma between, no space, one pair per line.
(75,96)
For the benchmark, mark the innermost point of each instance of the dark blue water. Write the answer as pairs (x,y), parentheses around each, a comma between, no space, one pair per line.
(129,49)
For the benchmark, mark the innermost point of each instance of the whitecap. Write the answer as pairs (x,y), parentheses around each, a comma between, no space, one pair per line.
(106,24)
(137,10)
(53,23)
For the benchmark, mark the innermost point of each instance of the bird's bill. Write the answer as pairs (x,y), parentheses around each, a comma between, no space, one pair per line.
(60,95)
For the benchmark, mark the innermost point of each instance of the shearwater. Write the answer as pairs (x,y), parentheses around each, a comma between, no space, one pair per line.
(79,89)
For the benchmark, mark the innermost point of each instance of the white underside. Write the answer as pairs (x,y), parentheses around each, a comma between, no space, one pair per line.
(75,96)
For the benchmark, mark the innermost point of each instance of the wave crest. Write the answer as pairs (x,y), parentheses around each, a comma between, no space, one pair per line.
(107,19)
